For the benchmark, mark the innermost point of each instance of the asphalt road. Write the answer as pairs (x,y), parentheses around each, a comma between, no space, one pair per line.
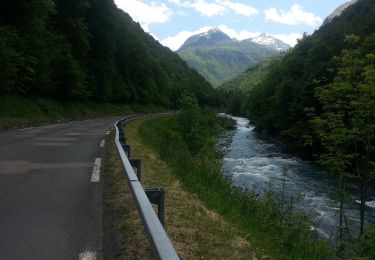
(50,191)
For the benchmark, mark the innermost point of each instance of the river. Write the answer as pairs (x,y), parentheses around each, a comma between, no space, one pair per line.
(253,161)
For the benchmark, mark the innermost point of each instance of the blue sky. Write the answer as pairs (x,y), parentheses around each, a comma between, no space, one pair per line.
(173,21)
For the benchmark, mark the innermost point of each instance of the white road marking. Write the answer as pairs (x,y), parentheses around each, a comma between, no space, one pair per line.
(87,255)
(108,132)
(102,143)
(95,177)
(73,134)
(25,129)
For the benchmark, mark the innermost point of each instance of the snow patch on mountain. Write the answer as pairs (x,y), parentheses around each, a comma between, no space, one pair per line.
(215,35)
(270,41)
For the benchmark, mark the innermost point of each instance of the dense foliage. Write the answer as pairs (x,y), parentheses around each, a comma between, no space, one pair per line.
(224,60)
(237,90)
(282,102)
(88,50)
(186,143)
(320,96)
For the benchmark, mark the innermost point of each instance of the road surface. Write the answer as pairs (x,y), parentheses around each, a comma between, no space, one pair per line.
(50,191)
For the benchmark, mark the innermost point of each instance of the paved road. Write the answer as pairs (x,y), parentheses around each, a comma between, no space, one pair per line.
(50,191)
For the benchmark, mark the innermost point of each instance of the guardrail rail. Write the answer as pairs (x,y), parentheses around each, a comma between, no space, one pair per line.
(161,245)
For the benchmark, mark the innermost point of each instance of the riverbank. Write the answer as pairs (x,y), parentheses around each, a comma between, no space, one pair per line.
(21,112)
(252,161)
(272,231)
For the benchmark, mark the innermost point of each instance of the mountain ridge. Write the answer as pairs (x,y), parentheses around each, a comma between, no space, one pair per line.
(219,58)
(210,37)
(338,11)
(216,36)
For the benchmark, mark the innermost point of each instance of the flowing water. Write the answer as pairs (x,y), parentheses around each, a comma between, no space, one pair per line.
(252,161)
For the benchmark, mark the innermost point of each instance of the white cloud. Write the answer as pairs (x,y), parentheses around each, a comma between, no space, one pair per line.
(145,14)
(219,7)
(175,42)
(207,9)
(177,2)
(290,39)
(294,16)
(238,8)
(241,35)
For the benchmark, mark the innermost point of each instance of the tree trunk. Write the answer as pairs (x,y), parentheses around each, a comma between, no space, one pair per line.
(341,207)
(363,205)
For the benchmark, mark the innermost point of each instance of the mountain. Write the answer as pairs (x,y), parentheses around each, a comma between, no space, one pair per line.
(270,41)
(89,50)
(250,78)
(208,38)
(219,58)
(338,11)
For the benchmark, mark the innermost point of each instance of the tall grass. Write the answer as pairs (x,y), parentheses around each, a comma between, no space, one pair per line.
(264,220)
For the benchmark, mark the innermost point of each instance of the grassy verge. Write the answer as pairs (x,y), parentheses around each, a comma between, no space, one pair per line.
(124,237)
(18,111)
(195,231)
(274,233)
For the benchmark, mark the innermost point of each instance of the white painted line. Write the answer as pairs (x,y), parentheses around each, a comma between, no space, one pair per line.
(88,255)
(108,132)
(102,143)
(95,177)
(25,129)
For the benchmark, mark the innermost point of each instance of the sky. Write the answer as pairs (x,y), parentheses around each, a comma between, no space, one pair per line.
(171,22)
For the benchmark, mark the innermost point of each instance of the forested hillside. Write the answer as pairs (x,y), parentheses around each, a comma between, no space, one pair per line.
(321,97)
(237,90)
(285,101)
(73,50)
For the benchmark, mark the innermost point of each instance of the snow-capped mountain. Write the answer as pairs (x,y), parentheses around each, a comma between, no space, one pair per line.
(215,36)
(338,11)
(270,41)
(219,58)
(208,38)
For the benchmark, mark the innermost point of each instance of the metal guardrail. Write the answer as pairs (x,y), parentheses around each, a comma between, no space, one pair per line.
(161,245)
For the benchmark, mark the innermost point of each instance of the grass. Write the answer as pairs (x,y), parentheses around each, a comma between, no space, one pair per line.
(259,219)
(195,231)
(124,237)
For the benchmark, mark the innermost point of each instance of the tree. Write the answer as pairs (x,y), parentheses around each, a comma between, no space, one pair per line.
(346,127)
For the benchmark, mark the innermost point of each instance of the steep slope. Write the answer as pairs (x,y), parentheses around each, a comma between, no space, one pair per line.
(248,79)
(208,38)
(219,58)
(338,11)
(283,102)
(88,50)
(237,90)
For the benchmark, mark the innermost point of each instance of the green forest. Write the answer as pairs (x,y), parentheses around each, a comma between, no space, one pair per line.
(79,50)
(320,97)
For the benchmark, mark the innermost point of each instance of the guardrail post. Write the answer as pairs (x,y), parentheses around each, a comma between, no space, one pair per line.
(157,196)
(122,138)
(137,164)
(126,148)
